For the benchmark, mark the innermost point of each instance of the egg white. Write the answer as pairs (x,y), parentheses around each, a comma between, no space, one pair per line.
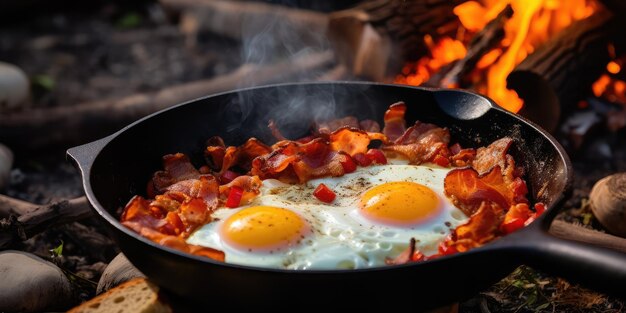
(341,237)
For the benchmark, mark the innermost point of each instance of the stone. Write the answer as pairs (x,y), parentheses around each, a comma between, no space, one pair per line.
(14,87)
(31,284)
(118,271)
(6,163)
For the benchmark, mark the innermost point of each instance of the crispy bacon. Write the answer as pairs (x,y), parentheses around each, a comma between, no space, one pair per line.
(481,227)
(249,184)
(349,140)
(395,125)
(298,162)
(468,190)
(177,167)
(493,155)
(223,158)
(175,242)
(422,143)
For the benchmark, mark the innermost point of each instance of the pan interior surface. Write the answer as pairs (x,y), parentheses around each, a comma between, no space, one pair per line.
(124,166)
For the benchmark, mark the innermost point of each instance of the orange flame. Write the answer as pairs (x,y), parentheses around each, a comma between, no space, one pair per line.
(533,23)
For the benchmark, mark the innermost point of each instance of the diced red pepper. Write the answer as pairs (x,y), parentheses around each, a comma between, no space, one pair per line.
(444,249)
(512,225)
(228,176)
(539,208)
(376,156)
(324,194)
(418,256)
(348,165)
(234,197)
(361,159)
(441,160)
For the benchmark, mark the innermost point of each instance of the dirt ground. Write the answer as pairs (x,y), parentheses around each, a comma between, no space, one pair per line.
(114,51)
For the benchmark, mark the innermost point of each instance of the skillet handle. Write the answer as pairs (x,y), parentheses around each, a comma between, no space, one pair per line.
(85,155)
(595,267)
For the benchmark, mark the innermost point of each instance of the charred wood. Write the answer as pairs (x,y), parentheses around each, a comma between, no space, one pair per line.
(21,220)
(366,36)
(560,73)
(483,42)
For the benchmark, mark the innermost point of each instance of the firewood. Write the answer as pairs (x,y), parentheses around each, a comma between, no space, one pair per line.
(366,36)
(27,219)
(552,79)
(574,232)
(71,125)
(483,42)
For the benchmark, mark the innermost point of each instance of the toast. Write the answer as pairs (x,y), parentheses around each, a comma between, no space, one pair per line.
(136,295)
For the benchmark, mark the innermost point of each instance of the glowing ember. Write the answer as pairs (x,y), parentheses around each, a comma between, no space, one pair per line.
(533,23)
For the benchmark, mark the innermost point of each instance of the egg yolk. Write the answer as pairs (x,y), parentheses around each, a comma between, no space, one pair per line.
(263,228)
(399,203)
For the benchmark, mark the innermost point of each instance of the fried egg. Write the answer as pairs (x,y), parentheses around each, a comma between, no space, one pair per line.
(378,209)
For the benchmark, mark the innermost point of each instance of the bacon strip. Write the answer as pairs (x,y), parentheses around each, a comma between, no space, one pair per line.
(492,156)
(295,162)
(395,125)
(177,167)
(422,143)
(223,158)
(481,227)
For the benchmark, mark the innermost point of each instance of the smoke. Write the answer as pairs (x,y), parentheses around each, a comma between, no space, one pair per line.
(272,38)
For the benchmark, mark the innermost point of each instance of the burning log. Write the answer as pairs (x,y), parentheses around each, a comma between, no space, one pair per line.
(22,220)
(558,74)
(66,125)
(365,37)
(483,42)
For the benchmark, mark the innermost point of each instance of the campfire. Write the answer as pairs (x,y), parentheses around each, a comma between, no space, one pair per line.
(521,54)
(559,63)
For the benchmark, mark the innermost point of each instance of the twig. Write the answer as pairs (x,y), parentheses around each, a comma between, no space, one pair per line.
(566,230)
(29,219)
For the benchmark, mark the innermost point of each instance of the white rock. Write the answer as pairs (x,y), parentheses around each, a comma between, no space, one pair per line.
(118,271)
(6,163)
(14,87)
(31,284)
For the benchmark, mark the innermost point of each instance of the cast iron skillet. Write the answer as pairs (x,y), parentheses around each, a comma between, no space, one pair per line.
(117,167)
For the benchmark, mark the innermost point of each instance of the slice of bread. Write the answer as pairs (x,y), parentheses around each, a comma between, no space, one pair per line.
(136,295)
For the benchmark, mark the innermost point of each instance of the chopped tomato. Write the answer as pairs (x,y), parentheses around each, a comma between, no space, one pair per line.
(444,249)
(376,156)
(234,197)
(362,159)
(348,165)
(539,208)
(324,194)
(512,225)
(418,256)
(228,176)
(441,160)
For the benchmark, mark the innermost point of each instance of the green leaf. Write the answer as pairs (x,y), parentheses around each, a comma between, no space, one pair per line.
(58,251)
(129,20)
(44,81)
